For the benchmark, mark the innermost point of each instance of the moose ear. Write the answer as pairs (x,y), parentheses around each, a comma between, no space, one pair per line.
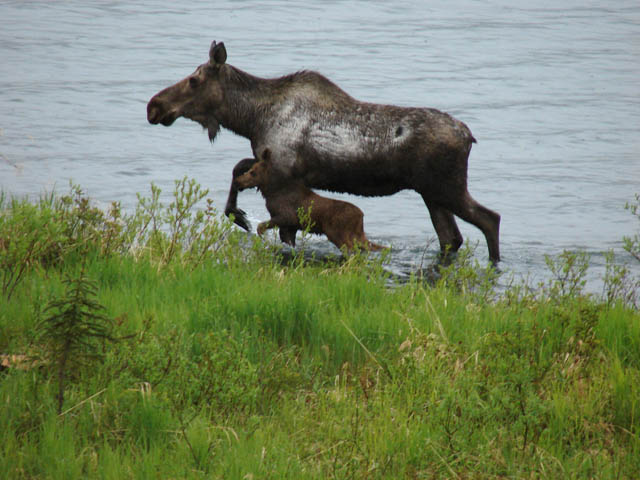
(217,53)
(266,156)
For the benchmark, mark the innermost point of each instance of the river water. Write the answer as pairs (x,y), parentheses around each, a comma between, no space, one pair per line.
(550,89)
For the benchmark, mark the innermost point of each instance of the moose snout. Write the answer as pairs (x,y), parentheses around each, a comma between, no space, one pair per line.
(153,112)
(158,112)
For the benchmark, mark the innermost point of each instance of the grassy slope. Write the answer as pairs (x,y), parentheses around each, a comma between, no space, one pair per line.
(242,368)
(233,372)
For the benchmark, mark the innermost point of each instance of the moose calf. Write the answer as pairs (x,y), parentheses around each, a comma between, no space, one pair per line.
(340,221)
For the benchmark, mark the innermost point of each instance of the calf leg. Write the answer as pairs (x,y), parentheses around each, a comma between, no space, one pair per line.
(349,232)
(288,235)
(287,232)
(364,243)
(264,226)
(350,241)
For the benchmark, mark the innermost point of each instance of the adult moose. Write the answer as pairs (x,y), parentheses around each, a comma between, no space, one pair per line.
(322,135)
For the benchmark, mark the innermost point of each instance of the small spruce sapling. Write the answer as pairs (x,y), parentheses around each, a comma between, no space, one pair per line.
(71,329)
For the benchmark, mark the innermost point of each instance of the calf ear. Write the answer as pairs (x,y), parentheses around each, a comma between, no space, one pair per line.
(217,53)
(266,155)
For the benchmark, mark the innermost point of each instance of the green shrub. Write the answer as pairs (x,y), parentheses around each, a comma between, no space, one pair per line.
(632,244)
(30,236)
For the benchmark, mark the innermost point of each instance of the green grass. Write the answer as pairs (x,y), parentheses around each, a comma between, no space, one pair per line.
(237,366)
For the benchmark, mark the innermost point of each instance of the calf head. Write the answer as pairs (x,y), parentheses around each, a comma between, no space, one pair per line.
(196,97)
(258,174)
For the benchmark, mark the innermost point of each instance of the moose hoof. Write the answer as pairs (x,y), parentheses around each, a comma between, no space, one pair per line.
(239,218)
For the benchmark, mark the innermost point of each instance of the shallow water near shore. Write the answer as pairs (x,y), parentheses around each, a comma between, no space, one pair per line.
(550,91)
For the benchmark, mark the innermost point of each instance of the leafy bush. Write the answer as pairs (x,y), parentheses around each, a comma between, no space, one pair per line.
(632,244)
(30,236)
(176,231)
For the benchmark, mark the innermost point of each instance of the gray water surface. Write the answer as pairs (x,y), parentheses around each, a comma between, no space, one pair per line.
(551,90)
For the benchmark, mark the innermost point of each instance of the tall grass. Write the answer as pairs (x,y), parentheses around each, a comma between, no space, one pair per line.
(228,362)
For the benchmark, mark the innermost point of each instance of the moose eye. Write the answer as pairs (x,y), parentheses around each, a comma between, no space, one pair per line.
(193,82)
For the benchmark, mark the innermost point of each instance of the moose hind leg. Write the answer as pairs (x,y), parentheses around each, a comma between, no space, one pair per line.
(485,219)
(446,228)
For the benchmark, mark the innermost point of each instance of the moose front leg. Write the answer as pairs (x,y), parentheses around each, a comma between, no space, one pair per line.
(239,215)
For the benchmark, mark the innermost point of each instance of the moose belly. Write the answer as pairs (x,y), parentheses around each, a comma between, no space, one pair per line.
(365,176)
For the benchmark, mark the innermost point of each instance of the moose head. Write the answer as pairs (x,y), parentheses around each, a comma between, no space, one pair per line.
(198,97)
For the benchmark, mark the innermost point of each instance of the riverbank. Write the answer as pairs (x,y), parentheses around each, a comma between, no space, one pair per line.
(165,344)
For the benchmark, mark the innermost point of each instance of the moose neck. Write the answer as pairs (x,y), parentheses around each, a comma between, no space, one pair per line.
(247,100)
